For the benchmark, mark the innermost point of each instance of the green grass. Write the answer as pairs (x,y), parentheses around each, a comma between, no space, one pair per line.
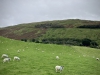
(76,33)
(39,59)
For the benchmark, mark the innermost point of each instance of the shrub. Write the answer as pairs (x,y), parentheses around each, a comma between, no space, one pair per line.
(24,40)
(86,42)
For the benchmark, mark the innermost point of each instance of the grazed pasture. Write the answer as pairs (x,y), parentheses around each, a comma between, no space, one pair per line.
(40,59)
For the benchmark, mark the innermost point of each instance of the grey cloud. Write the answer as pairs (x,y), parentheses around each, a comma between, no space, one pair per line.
(14,12)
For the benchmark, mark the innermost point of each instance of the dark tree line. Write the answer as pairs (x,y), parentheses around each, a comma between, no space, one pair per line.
(71,41)
(66,41)
(90,26)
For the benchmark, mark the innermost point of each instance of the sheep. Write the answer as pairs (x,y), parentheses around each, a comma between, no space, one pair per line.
(42,51)
(97,58)
(16,58)
(57,57)
(6,60)
(18,51)
(4,56)
(59,68)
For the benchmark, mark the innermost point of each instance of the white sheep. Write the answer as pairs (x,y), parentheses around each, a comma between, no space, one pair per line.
(59,68)
(6,60)
(57,57)
(18,51)
(97,58)
(4,56)
(16,58)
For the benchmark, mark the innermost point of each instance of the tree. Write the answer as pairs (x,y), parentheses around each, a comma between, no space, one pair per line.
(86,42)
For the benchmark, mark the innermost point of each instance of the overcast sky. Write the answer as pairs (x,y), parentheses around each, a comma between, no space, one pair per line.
(14,12)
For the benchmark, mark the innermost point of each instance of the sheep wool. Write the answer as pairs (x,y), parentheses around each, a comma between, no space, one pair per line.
(4,56)
(16,58)
(97,58)
(59,68)
(57,57)
(6,60)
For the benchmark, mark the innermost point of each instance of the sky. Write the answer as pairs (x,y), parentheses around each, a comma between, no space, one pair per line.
(13,12)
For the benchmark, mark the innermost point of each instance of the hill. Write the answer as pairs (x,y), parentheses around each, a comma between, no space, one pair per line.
(39,59)
(74,31)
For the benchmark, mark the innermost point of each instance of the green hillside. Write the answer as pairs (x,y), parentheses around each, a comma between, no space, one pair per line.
(39,59)
(67,32)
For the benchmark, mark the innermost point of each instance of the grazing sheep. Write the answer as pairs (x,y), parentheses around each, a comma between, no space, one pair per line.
(59,68)
(42,51)
(4,56)
(97,58)
(18,51)
(6,60)
(57,57)
(16,58)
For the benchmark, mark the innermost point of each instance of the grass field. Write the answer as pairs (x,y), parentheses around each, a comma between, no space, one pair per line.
(39,59)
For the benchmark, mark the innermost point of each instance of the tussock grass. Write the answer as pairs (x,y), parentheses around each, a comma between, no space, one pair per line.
(40,59)
(73,33)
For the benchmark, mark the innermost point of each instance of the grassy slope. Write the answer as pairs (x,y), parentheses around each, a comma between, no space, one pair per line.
(76,33)
(39,59)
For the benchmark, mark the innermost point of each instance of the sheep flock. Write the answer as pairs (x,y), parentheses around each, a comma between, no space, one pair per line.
(6,58)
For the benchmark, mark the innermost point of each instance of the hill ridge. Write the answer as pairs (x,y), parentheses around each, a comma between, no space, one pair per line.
(71,28)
